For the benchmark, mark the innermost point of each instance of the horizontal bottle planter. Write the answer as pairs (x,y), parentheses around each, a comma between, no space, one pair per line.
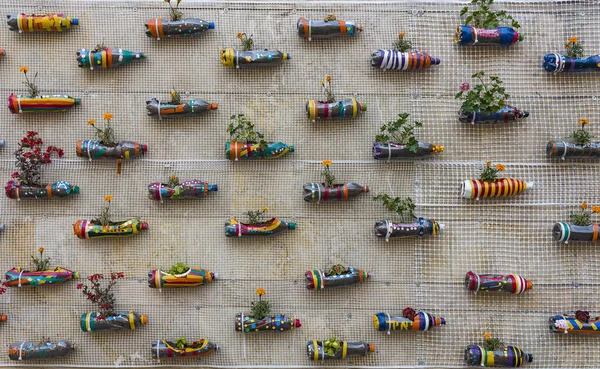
(164,349)
(21,104)
(502,187)
(320,30)
(59,189)
(565,232)
(347,108)
(53,22)
(250,59)
(505,115)
(317,192)
(185,190)
(570,324)
(235,151)
(93,322)
(503,36)
(565,149)
(188,27)
(384,322)
(274,323)
(106,58)
(316,350)
(233,228)
(558,63)
(89,229)
(185,109)
(420,228)
(404,61)
(17,277)
(318,279)
(509,356)
(510,283)
(399,151)
(95,150)
(193,277)
(25,350)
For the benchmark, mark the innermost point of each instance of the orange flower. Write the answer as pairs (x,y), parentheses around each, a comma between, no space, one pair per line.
(573,39)
(326,163)
(40,250)
(487,335)
(500,167)
(488,164)
(91,122)
(260,292)
(328,78)
(401,34)
(108,116)
(24,69)
(240,35)
(583,121)
(596,209)
(584,205)
(108,198)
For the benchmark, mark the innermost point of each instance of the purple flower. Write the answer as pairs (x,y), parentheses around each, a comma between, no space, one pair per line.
(465,86)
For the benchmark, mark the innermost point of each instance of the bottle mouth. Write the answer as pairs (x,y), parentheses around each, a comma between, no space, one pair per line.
(75,21)
(75,190)
(76,275)
(211,25)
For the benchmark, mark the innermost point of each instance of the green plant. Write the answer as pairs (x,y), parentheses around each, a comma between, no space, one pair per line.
(104,218)
(176,14)
(484,97)
(328,90)
(583,216)
(181,342)
(256,217)
(574,48)
(40,263)
(173,181)
(397,204)
(106,135)
(247,41)
(328,177)
(179,268)
(491,343)
(260,308)
(33,89)
(486,18)
(331,346)
(175,97)
(581,136)
(400,132)
(337,269)
(242,129)
(103,297)
(401,44)
(490,173)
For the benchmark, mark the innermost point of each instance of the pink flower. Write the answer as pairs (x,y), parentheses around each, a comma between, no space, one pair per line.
(465,87)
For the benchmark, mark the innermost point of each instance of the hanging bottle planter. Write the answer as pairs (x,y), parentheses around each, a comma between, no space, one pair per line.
(489,185)
(332,109)
(104,227)
(165,349)
(53,22)
(176,108)
(580,227)
(337,276)
(102,57)
(25,350)
(573,61)
(180,275)
(248,144)
(486,29)
(250,58)
(408,321)
(177,27)
(175,190)
(257,225)
(262,320)
(328,28)
(397,141)
(580,323)
(332,349)
(328,190)
(578,145)
(510,283)
(494,353)
(402,57)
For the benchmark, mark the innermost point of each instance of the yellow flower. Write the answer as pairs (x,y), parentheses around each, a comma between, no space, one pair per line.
(178,1)
(40,250)
(266,208)
(584,205)
(172,94)
(326,163)
(583,121)
(488,164)
(108,198)
(500,167)
(108,116)
(260,292)
(24,69)
(401,34)
(487,336)
(573,39)
(567,45)
(91,122)
(328,78)
(240,35)
(322,83)
(596,209)
(167,1)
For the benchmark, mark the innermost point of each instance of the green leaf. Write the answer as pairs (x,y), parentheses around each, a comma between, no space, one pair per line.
(464,10)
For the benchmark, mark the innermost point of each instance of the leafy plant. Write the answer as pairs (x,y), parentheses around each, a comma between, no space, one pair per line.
(256,217)
(175,97)
(179,268)
(337,269)
(397,205)
(33,89)
(242,129)
(104,218)
(247,41)
(400,132)
(328,90)
(40,263)
(331,346)
(401,44)
(176,14)
(260,308)
(574,48)
(486,18)
(583,216)
(490,173)
(30,158)
(484,97)
(582,137)
(491,343)
(103,297)
(173,181)
(328,177)
(181,342)
(106,135)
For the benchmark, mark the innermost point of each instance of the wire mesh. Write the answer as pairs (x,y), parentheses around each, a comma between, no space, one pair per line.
(491,236)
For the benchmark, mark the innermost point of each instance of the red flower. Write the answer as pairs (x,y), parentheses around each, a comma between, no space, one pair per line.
(409,313)
(27,155)
(90,296)
(15,175)
(79,286)
(582,316)
(100,317)
(60,153)
(31,134)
